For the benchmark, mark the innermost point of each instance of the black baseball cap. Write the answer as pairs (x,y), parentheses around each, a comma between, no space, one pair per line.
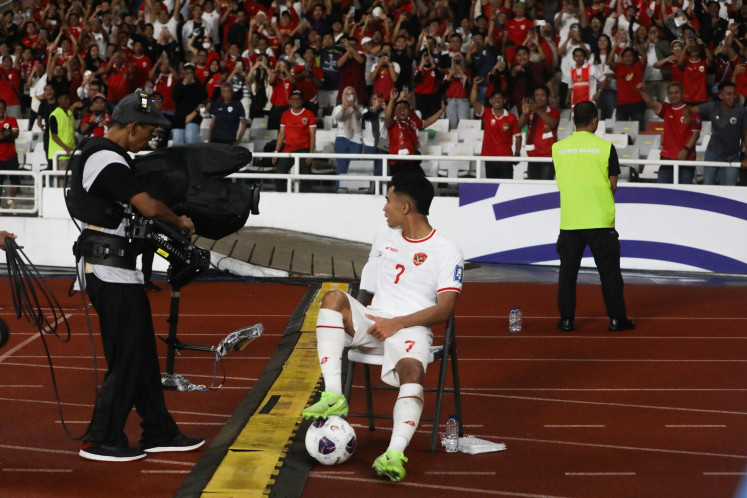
(138,107)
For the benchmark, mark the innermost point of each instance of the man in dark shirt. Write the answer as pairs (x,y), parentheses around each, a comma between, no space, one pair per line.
(331,83)
(190,97)
(228,118)
(481,59)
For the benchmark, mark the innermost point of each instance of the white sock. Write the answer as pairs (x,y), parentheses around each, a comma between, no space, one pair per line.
(330,342)
(406,415)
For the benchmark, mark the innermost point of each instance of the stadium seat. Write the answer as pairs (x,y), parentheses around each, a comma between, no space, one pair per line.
(647,142)
(649,170)
(469,124)
(565,128)
(619,139)
(440,354)
(358,167)
(263,134)
(328,123)
(325,141)
(705,131)
(424,137)
(259,122)
(431,150)
(442,137)
(469,134)
(439,125)
(520,170)
(629,128)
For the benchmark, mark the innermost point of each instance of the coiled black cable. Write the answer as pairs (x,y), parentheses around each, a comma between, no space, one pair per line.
(34,300)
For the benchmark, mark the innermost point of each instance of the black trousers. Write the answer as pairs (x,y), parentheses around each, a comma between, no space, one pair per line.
(497,169)
(284,165)
(605,247)
(133,377)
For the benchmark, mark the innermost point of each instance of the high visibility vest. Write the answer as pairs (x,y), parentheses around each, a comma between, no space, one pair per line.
(65,132)
(582,171)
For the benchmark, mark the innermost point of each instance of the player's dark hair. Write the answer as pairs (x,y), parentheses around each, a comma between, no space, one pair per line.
(417,187)
(584,112)
(726,84)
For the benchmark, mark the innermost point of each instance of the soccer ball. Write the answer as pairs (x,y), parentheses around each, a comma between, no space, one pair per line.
(330,441)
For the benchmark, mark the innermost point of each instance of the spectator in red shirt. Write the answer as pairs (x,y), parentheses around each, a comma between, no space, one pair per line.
(694,61)
(629,72)
(11,86)
(518,27)
(8,154)
(118,76)
(283,83)
(680,132)
(309,78)
(141,66)
(402,124)
(501,132)
(541,121)
(297,134)
(164,77)
(385,72)
(457,97)
(98,120)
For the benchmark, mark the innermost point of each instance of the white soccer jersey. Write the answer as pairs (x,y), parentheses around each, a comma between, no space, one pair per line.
(411,273)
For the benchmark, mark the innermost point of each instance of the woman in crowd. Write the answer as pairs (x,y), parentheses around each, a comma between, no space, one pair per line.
(348,137)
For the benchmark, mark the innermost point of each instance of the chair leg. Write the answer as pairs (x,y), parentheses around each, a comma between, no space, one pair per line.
(439,399)
(349,381)
(369,399)
(457,391)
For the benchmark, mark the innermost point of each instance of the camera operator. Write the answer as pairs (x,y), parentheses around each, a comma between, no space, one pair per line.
(102,176)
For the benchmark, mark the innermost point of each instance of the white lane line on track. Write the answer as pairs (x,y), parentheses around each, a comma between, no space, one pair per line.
(542,317)
(599,403)
(725,473)
(603,389)
(695,426)
(605,360)
(614,337)
(411,484)
(89,405)
(30,339)
(38,470)
(600,474)
(165,471)
(75,453)
(574,426)
(614,446)
(457,473)
(102,369)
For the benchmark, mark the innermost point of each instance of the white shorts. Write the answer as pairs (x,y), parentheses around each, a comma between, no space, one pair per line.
(412,342)
(327,98)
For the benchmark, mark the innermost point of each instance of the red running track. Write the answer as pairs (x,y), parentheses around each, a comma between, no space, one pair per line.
(659,411)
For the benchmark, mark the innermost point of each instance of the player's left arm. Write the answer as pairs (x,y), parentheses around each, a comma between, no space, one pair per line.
(439,313)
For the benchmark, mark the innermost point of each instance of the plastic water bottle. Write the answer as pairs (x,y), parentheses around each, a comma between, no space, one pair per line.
(451,439)
(514,320)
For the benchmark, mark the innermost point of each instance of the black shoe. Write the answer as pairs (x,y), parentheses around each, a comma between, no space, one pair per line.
(178,443)
(565,324)
(620,324)
(103,453)
(150,286)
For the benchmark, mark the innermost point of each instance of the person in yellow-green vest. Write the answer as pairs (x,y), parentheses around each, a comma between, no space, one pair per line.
(61,132)
(586,169)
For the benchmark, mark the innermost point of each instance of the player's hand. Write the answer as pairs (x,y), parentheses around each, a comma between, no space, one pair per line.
(383,327)
(309,160)
(641,87)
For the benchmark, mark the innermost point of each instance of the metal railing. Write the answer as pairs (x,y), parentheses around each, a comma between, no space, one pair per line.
(30,198)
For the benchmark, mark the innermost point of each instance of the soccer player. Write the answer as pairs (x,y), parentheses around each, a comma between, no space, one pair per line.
(417,277)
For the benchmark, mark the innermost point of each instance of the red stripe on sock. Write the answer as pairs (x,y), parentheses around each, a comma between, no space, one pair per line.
(329,327)
(406,397)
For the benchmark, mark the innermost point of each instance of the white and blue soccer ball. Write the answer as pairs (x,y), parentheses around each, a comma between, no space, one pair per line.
(330,441)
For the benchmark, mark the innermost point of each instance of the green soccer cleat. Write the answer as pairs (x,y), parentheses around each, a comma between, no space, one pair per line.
(390,464)
(330,404)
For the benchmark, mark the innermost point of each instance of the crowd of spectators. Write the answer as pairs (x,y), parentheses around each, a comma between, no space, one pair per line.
(231,62)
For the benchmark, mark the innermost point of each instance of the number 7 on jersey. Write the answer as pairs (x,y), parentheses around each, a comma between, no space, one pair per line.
(401,269)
